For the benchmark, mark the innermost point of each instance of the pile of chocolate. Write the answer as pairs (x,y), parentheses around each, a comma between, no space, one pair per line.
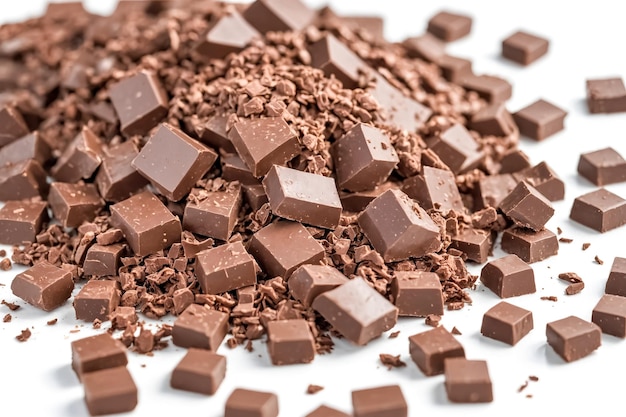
(269,171)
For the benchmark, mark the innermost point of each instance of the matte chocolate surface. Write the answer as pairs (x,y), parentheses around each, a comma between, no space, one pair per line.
(80,159)
(454,68)
(616,283)
(104,260)
(279,15)
(610,315)
(492,190)
(600,210)
(507,323)
(602,167)
(234,169)
(200,327)
(213,133)
(290,342)
(540,120)
(23,180)
(74,204)
(230,34)
(524,48)
(491,88)
(529,245)
(98,352)
(434,189)
(225,268)
(110,391)
(215,215)
(200,371)
(606,95)
(31,146)
(334,58)
(325,411)
(573,338)
(97,300)
(248,403)
(457,149)
(527,207)
(309,281)
(430,349)
(21,221)
(514,160)
(417,293)
(44,286)
(12,125)
(545,180)
(476,244)
(508,276)
(468,381)
(493,120)
(117,179)
(386,401)
(427,47)
(450,26)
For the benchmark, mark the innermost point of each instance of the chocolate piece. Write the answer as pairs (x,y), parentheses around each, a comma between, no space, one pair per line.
(43,285)
(602,167)
(508,276)
(247,403)
(290,342)
(616,283)
(147,224)
(255,196)
(73,204)
(31,146)
(380,401)
(434,189)
(450,26)
(493,189)
(426,47)
(277,259)
(25,179)
(21,221)
(373,25)
(215,215)
(545,180)
(429,350)
(97,300)
(262,143)
(524,48)
(213,133)
(417,293)
(104,260)
(476,244)
(229,34)
(80,159)
(507,323)
(173,162)
(278,15)
(610,315)
(540,120)
(302,196)
(123,317)
(234,169)
(468,381)
(453,68)
(514,160)
(200,327)
(529,245)
(606,95)
(309,281)
(491,88)
(398,227)
(573,338)
(225,268)
(457,148)
(140,102)
(357,311)
(110,391)
(493,119)
(12,125)
(325,411)
(200,371)
(117,179)
(334,58)
(356,202)
(527,207)
(600,210)
(96,353)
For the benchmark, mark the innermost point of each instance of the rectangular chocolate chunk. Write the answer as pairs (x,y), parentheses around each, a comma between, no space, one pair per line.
(427,47)
(527,207)
(43,285)
(450,26)
(80,159)
(200,327)
(334,58)
(493,119)
(229,34)
(97,300)
(200,371)
(573,338)
(531,246)
(457,148)
(610,315)
(309,281)
(225,268)
(434,189)
(278,15)
(606,95)
(23,180)
(476,244)
(21,221)
(215,213)
(507,323)
(429,350)
(491,88)
(104,260)
(540,120)
(602,167)
(247,403)
(616,283)
(524,48)
(98,352)
(234,169)
(12,125)
(110,391)
(385,401)
(600,210)
(492,190)
(468,381)
(544,179)
(117,179)
(72,204)
(454,68)
(417,293)
(31,146)
(290,342)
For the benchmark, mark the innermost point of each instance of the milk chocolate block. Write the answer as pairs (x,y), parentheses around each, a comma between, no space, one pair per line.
(417,293)
(147,224)
(385,401)
(527,207)
(607,95)
(80,159)
(515,160)
(325,411)
(364,158)
(278,259)
(468,381)
(200,371)
(173,162)
(31,146)
(290,342)
(229,34)
(427,47)
(262,143)
(97,300)
(23,180)
(600,210)
(529,245)
(43,285)
(398,227)
(225,268)
(140,102)
(573,338)
(117,179)
(457,148)
(476,244)
(357,311)
(507,323)
(602,167)
(429,350)
(200,327)
(110,391)
(334,58)
(234,169)
(104,260)
(357,201)
(493,119)
(616,284)
(279,15)
(95,353)
(212,132)
(508,276)
(216,214)
(453,68)
(450,26)
(12,125)
(545,180)
(493,189)
(73,204)
(21,221)
(434,189)
(491,88)
(610,315)
(309,281)
(524,48)
(248,403)
(255,196)
(540,120)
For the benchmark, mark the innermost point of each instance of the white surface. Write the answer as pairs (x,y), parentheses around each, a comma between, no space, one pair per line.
(35,377)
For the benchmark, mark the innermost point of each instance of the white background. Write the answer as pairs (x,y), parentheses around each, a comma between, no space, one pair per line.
(586,41)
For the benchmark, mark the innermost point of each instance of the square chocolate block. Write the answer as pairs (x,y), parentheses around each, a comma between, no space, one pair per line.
(215,215)
(255,196)
(600,210)
(515,160)
(616,284)
(457,148)
(21,221)
(606,95)
(573,338)
(43,285)
(80,159)
(334,58)
(434,189)
(544,179)
(610,315)
(98,352)
(200,327)
(449,26)
(492,190)
(200,371)
(507,323)
(290,342)
(225,268)
(385,401)
(540,120)
(476,244)
(248,403)
(309,281)
(97,300)
(508,276)
(31,146)
(529,245)
(12,125)
(417,293)
(524,48)
(104,260)
(73,204)
(429,350)
(527,207)
(110,391)
(493,89)
(117,179)
(468,381)
(230,34)
(278,16)
(602,167)
(427,47)
(493,119)
(23,180)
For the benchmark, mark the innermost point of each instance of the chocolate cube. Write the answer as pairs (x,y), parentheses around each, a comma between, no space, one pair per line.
(427,47)
(234,169)
(524,48)
(31,146)
(434,189)
(529,245)
(468,381)
(540,120)
(545,180)
(290,342)
(507,323)
(43,285)
(215,215)
(449,26)
(80,159)
(492,190)
(491,88)
(602,167)
(73,204)
(508,276)
(110,391)
(607,95)
(476,244)
(493,119)
(610,315)
(12,125)
(243,402)
(21,221)
(278,15)
(600,210)
(309,281)
(200,371)
(380,401)
(573,338)
(616,283)
(335,58)
(457,148)
(429,350)
(200,327)
(417,293)
(95,353)
(229,34)
(104,260)
(225,268)
(117,179)
(97,300)
(453,68)
(23,180)
(527,207)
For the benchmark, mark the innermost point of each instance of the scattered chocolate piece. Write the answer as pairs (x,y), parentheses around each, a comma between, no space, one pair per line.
(200,371)
(382,401)
(97,300)
(597,260)
(95,353)
(545,180)
(278,16)
(123,317)
(456,331)
(610,315)
(12,125)
(314,389)
(467,381)
(524,48)
(508,276)
(104,260)
(494,119)
(491,88)
(427,47)
(23,180)
(117,179)
(432,320)
(492,190)
(21,221)
(52,322)
(586,246)
(457,148)
(335,58)
(229,34)
(602,167)
(309,281)
(215,215)
(449,26)
(10,306)
(80,159)
(7,318)
(243,403)
(200,327)
(290,342)
(527,207)
(565,240)
(600,210)
(574,288)
(475,244)
(73,204)
(550,298)
(540,120)
(607,95)
(454,69)
(507,323)
(417,293)
(514,160)
(391,361)
(110,391)
(429,349)
(24,335)
(616,283)
(395,334)
(225,268)
(44,286)
(573,338)
(529,245)
(31,146)
(434,189)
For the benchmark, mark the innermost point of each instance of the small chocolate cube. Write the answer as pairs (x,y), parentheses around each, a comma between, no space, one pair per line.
(427,47)
(215,215)
(476,244)
(616,284)
(417,293)
(493,119)
(97,300)
(600,210)
(385,401)
(429,350)
(450,26)
(44,286)
(103,261)
(545,180)
(110,391)
(606,95)
(491,88)
(468,381)
(508,276)
(309,281)
(527,207)
(457,148)
(524,48)
(540,120)
(278,15)
(434,189)
(453,68)
(610,315)
(248,403)
(73,204)
(95,353)
(200,327)
(225,268)
(117,179)
(80,159)
(21,221)
(290,342)
(334,58)
(602,167)
(573,338)
(507,323)
(200,371)
(230,34)
(12,125)
(23,180)
(529,245)
(31,146)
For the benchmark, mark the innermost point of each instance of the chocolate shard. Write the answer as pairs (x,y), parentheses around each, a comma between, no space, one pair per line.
(450,26)
(215,215)
(616,283)
(507,323)
(279,15)
(104,260)
(527,207)
(493,119)
(540,120)
(602,167)
(117,179)
(508,276)
(434,189)
(380,401)
(457,148)
(43,285)
(431,348)
(334,58)
(531,246)
(80,159)
(607,95)
(600,210)
(417,293)
(21,221)
(229,34)
(290,342)
(73,204)
(243,402)
(491,88)
(467,381)
(12,125)
(31,146)
(524,48)
(23,180)
(545,180)
(110,391)
(225,268)
(309,281)
(95,353)
(200,371)
(573,338)
(97,300)
(427,47)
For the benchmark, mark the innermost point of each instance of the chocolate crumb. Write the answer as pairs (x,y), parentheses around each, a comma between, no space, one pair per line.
(7,318)
(97,323)
(433,320)
(529,395)
(52,322)
(550,298)
(391,361)
(598,260)
(533,378)
(393,335)
(3,253)
(24,336)
(523,387)
(565,240)
(574,288)
(570,277)
(314,389)
(249,346)
(74,330)
(559,231)
(456,331)
(586,245)
(11,306)
(5,264)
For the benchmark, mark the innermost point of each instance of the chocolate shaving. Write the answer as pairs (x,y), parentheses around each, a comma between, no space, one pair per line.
(565,240)
(598,260)
(391,361)
(574,288)
(523,387)
(7,318)
(533,378)
(586,246)
(11,306)
(24,335)
(52,322)
(393,335)
(314,389)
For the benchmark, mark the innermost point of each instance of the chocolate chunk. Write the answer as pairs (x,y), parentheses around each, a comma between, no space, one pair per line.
(457,149)
(229,34)
(334,58)
(527,207)
(110,391)
(325,411)
(12,125)
(278,15)
(468,381)
(309,281)
(22,180)
(398,227)
(213,133)
(380,401)
(508,276)
(200,371)
(248,403)
(453,68)
(140,102)
(515,160)
(117,179)
(545,180)
(602,167)
(80,159)
(215,215)
(493,119)
(491,88)
(255,196)
(262,143)
(607,95)
(610,315)
(200,327)
(73,204)
(417,293)
(43,285)
(373,25)
(225,268)
(529,245)
(234,169)
(31,146)
(475,244)
(430,349)
(356,202)
(290,342)
(573,338)
(96,353)
(507,323)
(356,311)
(398,109)
(434,189)
(21,221)
(147,224)
(540,120)
(450,26)
(97,300)
(600,210)
(104,260)
(616,283)
(493,189)
(426,47)
(524,48)
(123,317)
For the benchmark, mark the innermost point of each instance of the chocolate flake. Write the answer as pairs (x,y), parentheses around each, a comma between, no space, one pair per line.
(314,389)
(24,335)
(11,306)
(391,361)
(597,260)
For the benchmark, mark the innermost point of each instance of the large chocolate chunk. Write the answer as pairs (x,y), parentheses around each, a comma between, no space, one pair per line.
(229,34)
(200,371)
(117,179)
(602,167)
(457,148)
(434,189)
(278,15)
(385,401)
(573,338)
(430,349)
(97,300)
(529,245)
(12,125)
(80,159)
(309,281)
(610,315)
(616,283)
(95,353)
(450,26)
(417,293)
(21,221)
(43,285)
(215,215)
(290,342)
(234,169)
(200,327)
(468,381)
(73,204)
(540,120)
(508,276)
(22,180)
(600,210)
(247,403)
(527,207)
(225,268)
(607,95)
(507,323)
(110,391)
